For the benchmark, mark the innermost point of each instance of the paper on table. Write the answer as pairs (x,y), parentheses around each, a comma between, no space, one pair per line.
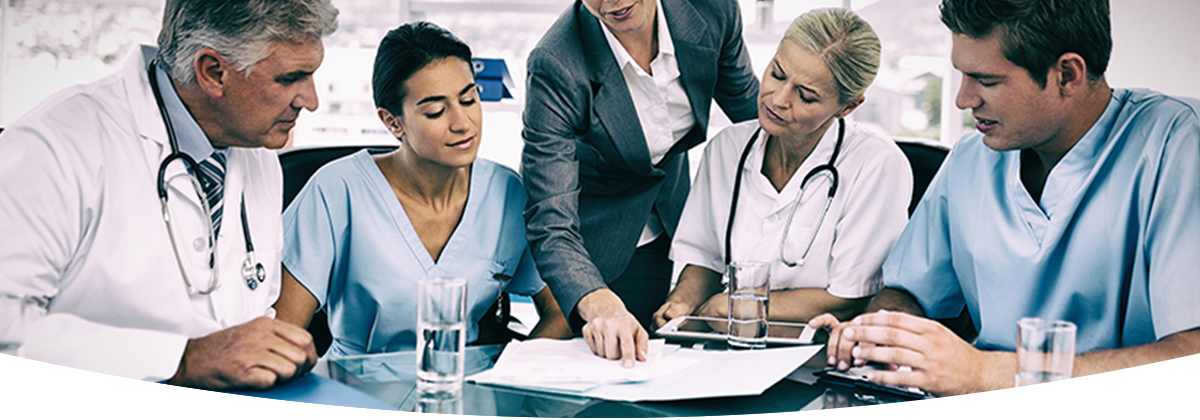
(570,365)
(722,374)
(681,374)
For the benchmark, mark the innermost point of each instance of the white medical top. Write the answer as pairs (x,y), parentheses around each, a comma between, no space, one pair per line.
(866,216)
(662,105)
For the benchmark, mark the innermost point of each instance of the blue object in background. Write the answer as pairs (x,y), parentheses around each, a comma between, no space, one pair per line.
(491,75)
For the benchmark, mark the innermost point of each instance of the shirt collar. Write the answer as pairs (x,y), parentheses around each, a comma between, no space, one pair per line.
(665,45)
(192,140)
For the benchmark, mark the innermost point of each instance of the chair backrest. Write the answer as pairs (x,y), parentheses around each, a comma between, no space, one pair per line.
(925,157)
(300,164)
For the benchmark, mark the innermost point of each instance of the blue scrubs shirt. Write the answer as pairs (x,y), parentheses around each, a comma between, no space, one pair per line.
(1113,246)
(348,240)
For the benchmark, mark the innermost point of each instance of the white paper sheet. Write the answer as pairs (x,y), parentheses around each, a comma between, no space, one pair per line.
(568,366)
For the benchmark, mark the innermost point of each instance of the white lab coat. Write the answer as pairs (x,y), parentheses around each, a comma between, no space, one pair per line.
(88,278)
(866,216)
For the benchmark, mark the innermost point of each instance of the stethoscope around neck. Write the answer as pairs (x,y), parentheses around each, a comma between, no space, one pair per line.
(253,271)
(833,186)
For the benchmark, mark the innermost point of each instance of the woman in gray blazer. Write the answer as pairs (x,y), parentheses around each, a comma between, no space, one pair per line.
(618,91)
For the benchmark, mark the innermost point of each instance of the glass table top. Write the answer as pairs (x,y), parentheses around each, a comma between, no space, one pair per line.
(391,377)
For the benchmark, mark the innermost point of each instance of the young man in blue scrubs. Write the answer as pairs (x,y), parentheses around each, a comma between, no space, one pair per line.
(1072,201)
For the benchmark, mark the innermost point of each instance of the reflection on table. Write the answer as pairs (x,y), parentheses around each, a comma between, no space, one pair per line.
(391,377)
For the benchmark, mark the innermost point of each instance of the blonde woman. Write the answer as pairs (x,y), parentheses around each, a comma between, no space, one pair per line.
(818,198)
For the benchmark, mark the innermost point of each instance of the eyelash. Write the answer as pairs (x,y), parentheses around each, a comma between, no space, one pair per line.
(775,75)
(464,102)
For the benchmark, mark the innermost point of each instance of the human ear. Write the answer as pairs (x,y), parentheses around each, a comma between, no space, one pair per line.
(851,106)
(211,69)
(1071,73)
(393,123)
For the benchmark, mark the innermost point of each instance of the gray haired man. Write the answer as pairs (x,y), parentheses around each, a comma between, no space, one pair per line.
(149,208)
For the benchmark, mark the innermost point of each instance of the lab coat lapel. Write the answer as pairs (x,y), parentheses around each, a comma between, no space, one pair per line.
(145,113)
(611,100)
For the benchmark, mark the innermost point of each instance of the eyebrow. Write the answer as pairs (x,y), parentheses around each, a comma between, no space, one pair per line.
(442,98)
(799,87)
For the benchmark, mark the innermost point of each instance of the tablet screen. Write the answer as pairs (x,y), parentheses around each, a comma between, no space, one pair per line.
(714,329)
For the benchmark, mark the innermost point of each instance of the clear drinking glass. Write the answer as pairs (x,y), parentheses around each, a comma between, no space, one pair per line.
(1045,350)
(440,402)
(441,333)
(749,292)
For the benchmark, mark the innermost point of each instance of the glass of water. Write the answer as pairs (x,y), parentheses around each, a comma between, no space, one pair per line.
(1045,350)
(749,290)
(441,333)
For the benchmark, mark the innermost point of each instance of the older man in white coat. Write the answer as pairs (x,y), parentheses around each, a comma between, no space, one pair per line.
(112,260)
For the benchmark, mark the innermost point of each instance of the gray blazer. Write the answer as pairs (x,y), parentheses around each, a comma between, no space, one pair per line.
(586,164)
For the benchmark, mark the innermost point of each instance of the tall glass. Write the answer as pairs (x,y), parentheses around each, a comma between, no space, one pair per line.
(1045,350)
(441,333)
(440,402)
(749,293)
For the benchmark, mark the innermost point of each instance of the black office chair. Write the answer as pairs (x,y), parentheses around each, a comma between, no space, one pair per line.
(925,157)
(298,166)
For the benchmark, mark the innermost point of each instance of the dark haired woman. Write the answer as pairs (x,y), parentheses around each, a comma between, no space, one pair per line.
(366,228)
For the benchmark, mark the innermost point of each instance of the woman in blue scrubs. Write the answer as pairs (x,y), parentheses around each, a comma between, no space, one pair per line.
(366,228)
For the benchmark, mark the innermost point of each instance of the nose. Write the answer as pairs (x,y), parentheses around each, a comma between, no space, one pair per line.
(967,97)
(459,120)
(780,98)
(307,96)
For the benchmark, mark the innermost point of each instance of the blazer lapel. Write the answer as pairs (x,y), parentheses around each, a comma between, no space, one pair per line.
(697,57)
(611,100)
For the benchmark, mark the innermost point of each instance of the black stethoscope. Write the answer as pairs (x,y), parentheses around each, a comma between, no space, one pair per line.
(833,185)
(253,271)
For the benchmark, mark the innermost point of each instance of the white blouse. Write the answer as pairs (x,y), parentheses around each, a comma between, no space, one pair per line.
(867,213)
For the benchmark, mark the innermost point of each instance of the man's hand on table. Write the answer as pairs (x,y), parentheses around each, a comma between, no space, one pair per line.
(941,362)
(611,331)
(257,355)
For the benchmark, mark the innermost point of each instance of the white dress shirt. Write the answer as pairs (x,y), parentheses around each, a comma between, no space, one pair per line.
(662,105)
(866,216)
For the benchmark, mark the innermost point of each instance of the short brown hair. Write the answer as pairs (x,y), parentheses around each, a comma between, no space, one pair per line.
(1037,32)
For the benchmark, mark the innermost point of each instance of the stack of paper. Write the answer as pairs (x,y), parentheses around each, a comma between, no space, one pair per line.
(569,365)
(671,373)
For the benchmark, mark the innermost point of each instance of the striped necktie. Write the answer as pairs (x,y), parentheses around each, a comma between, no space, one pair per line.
(212,179)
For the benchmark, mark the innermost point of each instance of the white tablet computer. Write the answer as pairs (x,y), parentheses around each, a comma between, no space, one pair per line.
(702,328)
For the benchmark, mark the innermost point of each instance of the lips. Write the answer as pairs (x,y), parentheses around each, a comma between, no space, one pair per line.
(464,144)
(622,13)
(772,115)
(985,125)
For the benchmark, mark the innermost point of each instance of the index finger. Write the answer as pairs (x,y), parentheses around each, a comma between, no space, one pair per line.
(898,320)
(834,350)
(628,344)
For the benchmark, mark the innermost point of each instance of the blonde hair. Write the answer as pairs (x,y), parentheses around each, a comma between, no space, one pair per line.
(845,42)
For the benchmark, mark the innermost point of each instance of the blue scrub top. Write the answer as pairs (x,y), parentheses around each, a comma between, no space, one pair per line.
(1113,246)
(348,240)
